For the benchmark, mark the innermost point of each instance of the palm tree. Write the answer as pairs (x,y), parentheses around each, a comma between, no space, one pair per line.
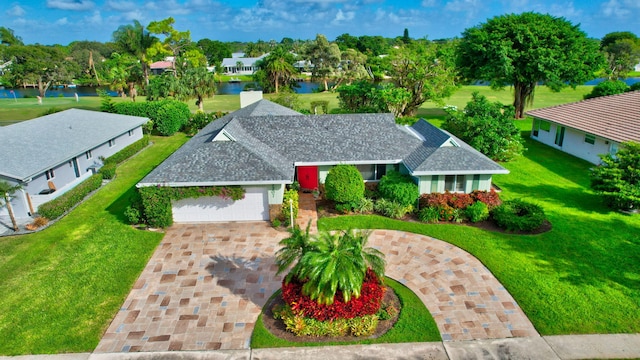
(7,191)
(279,66)
(330,263)
(196,83)
(135,40)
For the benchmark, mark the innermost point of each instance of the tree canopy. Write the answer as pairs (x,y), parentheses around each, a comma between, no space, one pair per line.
(617,179)
(622,50)
(522,50)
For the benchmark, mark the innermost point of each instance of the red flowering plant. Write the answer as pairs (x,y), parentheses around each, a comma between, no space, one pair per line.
(333,275)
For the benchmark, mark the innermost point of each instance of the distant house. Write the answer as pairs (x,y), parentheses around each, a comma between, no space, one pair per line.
(237,64)
(51,154)
(590,127)
(264,146)
(158,67)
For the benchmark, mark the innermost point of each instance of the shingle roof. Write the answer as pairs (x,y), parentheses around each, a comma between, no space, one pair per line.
(34,146)
(268,140)
(615,117)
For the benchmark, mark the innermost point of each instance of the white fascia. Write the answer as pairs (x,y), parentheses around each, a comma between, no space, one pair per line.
(347,162)
(460,172)
(214,183)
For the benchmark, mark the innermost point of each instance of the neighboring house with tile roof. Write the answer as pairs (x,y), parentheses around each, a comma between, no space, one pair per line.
(264,147)
(590,127)
(59,151)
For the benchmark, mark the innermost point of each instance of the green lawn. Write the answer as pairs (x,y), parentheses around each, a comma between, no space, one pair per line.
(582,277)
(61,287)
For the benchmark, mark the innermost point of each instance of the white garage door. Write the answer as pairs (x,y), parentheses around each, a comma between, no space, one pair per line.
(254,207)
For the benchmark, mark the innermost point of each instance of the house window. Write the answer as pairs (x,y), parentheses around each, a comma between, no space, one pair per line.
(50,174)
(112,142)
(475,185)
(434,183)
(536,127)
(368,171)
(455,183)
(559,136)
(589,138)
(130,132)
(88,155)
(545,126)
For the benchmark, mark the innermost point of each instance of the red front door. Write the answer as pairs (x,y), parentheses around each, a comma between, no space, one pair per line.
(308,177)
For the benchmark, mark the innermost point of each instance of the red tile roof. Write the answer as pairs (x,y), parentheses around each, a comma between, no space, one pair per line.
(615,117)
(162,65)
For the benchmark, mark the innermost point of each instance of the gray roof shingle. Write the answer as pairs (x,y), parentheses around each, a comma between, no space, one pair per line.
(615,117)
(268,140)
(34,146)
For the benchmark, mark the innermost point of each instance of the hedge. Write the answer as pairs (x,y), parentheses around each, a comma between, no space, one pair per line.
(399,188)
(156,200)
(57,207)
(127,152)
(518,215)
(167,115)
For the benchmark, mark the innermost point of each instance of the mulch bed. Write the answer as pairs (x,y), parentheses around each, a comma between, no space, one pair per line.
(277,328)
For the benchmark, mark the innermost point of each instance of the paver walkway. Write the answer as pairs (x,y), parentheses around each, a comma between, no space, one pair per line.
(206,284)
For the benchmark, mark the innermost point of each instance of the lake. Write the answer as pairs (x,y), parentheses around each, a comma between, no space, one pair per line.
(305,87)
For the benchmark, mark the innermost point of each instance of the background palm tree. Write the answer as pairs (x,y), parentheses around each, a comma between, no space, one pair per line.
(196,83)
(136,40)
(329,263)
(7,191)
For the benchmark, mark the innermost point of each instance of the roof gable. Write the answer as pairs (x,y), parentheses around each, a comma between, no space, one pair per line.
(615,117)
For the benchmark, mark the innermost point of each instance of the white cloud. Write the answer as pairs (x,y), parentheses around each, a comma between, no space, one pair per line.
(95,19)
(62,21)
(428,3)
(344,16)
(469,6)
(76,5)
(121,5)
(613,8)
(16,10)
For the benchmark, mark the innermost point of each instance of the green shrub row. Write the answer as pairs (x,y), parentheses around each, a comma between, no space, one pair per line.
(108,171)
(57,207)
(400,188)
(518,215)
(127,152)
(156,200)
(168,116)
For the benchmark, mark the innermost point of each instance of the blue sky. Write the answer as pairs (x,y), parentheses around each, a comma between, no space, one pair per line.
(63,21)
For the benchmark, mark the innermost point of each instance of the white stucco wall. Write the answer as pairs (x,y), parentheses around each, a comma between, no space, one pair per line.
(574,143)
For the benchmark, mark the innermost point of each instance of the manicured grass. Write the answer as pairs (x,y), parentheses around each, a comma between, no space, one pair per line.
(414,324)
(582,277)
(61,287)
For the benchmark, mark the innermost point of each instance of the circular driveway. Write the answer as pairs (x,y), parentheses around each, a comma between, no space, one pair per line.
(206,284)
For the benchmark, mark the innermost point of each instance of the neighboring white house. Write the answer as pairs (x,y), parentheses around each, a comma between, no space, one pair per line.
(52,154)
(237,64)
(265,146)
(590,127)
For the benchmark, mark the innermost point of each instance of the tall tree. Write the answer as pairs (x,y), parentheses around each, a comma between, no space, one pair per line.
(325,58)
(8,37)
(277,68)
(7,191)
(37,64)
(422,68)
(174,41)
(214,50)
(136,40)
(522,50)
(196,83)
(622,50)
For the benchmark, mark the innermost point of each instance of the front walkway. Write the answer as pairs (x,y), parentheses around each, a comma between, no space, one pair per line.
(206,284)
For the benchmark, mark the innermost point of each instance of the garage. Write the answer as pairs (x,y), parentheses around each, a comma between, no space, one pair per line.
(254,207)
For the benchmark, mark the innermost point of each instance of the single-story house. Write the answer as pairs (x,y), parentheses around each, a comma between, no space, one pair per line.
(241,65)
(159,67)
(590,127)
(264,146)
(51,154)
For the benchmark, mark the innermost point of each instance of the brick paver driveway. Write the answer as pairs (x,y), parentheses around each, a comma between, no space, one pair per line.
(206,284)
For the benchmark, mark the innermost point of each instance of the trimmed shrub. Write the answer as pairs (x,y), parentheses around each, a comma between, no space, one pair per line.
(108,171)
(57,207)
(518,215)
(459,200)
(171,117)
(490,198)
(127,152)
(477,212)
(286,210)
(344,184)
(399,188)
(132,214)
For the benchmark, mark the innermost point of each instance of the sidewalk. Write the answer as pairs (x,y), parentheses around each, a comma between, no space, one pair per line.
(565,347)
